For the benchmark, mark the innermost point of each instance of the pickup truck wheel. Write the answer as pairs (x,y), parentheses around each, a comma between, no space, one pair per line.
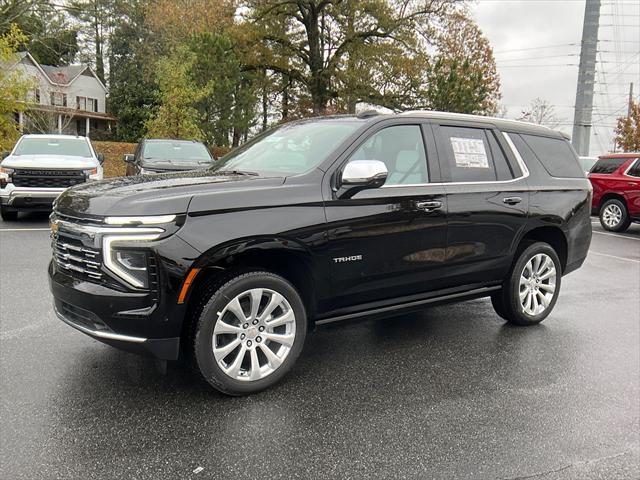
(614,216)
(531,290)
(250,333)
(8,215)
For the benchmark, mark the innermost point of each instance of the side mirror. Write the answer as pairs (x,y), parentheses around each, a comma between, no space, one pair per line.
(360,175)
(101,158)
(128,158)
(4,155)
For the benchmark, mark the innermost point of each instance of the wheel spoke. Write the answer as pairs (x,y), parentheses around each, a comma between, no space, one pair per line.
(281,320)
(534,301)
(272,358)
(548,274)
(283,339)
(235,308)
(275,300)
(256,297)
(221,352)
(224,327)
(543,299)
(255,365)
(234,369)
(548,287)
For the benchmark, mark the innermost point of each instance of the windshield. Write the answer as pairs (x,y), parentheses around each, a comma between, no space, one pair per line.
(71,147)
(291,148)
(176,151)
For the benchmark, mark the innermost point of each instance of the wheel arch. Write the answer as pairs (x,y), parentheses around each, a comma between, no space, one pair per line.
(552,235)
(611,196)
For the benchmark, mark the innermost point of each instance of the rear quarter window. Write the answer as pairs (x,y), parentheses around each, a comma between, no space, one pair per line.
(556,155)
(607,165)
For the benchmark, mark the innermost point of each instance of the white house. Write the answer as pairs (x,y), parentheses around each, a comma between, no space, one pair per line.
(69,100)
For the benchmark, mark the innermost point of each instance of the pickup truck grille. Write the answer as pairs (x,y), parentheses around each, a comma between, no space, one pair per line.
(71,255)
(48,178)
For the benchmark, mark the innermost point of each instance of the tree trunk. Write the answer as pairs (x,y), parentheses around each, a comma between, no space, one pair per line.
(99,57)
(318,86)
(265,103)
(285,96)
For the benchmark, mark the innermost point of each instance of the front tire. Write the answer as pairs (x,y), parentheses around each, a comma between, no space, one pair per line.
(250,333)
(531,290)
(8,215)
(614,216)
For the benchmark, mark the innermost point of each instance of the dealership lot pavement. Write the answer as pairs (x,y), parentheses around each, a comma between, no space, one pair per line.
(448,393)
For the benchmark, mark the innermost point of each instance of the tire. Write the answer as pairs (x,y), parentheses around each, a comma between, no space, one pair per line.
(537,280)
(231,335)
(614,216)
(8,215)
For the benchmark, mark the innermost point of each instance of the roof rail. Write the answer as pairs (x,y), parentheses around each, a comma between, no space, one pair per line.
(368,113)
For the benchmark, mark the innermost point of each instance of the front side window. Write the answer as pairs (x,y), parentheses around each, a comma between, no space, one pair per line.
(401,149)
(634,171)
(290,149)
(70,147)
(473,155)
(608,165)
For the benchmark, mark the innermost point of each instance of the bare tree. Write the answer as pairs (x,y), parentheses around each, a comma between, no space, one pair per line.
(541,112)
(44,118)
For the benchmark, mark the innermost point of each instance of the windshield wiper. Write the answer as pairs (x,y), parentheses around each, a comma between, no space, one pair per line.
(235,172)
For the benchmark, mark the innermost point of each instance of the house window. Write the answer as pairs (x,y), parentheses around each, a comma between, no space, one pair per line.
(88,104)
(58,99)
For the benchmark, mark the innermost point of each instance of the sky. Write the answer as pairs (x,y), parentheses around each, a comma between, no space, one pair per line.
(537,48)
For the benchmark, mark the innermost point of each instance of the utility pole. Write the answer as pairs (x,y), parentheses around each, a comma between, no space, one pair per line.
(630,99)
(586,78)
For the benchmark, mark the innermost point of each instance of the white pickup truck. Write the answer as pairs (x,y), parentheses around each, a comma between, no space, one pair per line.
(41,167)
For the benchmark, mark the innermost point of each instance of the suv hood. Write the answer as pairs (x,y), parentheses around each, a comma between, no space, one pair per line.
(49,162)
(170,165)
(167,193)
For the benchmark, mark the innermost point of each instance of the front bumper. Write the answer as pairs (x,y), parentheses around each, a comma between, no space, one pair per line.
(24,198)
(129,321)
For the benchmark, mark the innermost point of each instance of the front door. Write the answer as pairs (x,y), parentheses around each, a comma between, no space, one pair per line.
(389,242)
(487,199)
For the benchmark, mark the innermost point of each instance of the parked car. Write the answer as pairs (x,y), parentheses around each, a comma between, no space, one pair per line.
(616,190)
(40,167)
(317,221)
(162,156)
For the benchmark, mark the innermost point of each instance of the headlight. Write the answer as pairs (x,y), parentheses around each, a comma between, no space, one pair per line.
(91,174)
(126,261)
(5,176)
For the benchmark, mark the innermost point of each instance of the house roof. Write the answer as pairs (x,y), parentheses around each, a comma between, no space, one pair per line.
(63,76)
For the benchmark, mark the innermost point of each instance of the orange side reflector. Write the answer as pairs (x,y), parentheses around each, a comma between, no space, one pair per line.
(187,284)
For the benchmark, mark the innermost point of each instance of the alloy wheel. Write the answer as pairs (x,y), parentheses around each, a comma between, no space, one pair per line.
(537,284)
(253,334)
(612,215)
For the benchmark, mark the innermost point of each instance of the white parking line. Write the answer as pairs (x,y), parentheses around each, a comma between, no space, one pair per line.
(614,256)
(24,229)
(617,235)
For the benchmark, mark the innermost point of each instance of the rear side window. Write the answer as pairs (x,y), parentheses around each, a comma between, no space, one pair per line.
(608,165)
(556,156)
(634,171)
(473,155)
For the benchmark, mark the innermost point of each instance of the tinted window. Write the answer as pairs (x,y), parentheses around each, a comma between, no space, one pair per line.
(73,147)
(401,148)
(473,155)
(634,171)
(291,148)
(556,156)
(176,151)
(608,165)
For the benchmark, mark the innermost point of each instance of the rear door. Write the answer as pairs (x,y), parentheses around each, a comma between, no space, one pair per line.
(632,191)
(487,200)
(389,242)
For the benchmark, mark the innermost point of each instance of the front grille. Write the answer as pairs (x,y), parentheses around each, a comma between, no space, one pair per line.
(48,178)
(71,255)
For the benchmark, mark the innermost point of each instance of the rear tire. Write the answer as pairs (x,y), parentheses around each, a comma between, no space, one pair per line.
(531,290)
(8,215)
(250,333)
(614,216)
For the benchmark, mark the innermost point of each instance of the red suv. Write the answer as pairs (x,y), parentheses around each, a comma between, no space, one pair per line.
(616,190)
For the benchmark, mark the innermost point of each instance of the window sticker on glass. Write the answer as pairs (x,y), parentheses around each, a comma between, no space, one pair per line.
(469,152)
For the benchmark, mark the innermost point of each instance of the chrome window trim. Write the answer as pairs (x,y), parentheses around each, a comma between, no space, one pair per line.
(626,172)
(516,154)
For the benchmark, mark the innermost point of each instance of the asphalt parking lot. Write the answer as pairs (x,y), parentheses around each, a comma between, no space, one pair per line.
(448,393)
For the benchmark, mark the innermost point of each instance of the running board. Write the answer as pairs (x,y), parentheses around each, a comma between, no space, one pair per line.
(478,292)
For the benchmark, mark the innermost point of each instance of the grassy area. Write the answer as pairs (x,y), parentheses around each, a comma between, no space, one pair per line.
(114,165)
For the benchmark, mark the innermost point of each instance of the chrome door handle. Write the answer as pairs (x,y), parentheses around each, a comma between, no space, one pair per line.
(512,200)
(429,206)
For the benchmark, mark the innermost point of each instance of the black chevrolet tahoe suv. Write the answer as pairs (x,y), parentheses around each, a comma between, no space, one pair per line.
(316,221)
